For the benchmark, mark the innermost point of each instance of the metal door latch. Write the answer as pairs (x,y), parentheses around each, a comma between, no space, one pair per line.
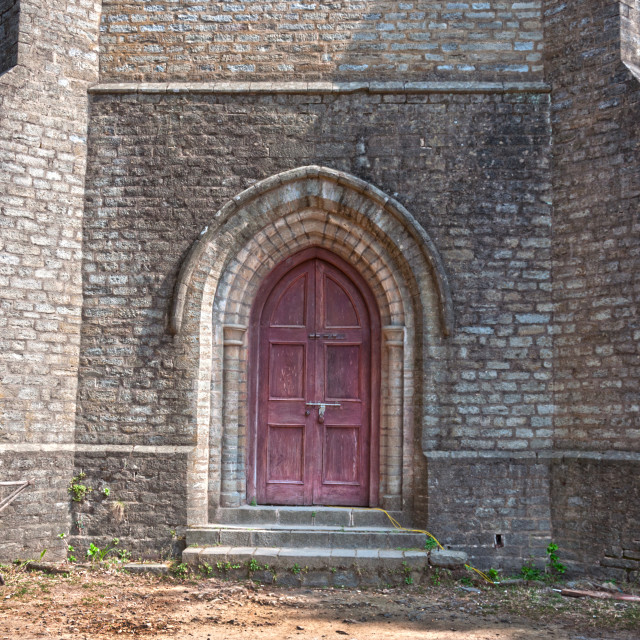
(323,407)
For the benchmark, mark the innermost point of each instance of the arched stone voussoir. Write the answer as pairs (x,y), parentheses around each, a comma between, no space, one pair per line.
(313,186)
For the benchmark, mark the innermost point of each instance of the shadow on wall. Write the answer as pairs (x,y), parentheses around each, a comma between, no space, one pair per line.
(9,27)
(343,40)
(630,35)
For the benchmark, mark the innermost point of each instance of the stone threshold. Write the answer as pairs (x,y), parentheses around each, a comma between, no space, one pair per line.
(319,566)
(306,516)
(315,88)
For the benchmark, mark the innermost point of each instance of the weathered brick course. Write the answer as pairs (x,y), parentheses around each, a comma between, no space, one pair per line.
(343,39)
(473,500)
(596,515)
(143,509)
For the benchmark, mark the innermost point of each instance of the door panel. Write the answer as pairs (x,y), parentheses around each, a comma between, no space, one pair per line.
(285,453)
(290,309)
(314,390)
(339,308)
(342,371)
(287,370)
(341,454)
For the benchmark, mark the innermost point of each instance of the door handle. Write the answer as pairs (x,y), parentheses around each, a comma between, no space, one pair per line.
(323,407)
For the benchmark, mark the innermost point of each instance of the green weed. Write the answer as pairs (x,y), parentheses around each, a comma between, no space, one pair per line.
(78,490)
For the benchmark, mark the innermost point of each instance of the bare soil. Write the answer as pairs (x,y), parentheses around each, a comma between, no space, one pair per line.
(92,604)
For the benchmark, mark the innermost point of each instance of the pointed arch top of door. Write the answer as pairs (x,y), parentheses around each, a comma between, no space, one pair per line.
(279,193)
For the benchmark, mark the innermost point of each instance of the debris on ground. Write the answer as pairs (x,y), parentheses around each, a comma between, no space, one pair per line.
(104,602)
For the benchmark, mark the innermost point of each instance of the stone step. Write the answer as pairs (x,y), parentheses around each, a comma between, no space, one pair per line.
(320,566)
(308,516)
(295,536)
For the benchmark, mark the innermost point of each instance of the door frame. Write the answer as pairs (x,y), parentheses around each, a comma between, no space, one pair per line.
(264,291)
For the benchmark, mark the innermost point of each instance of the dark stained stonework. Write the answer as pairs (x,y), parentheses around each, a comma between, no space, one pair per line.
(524,418)
(487,209)
(9,26)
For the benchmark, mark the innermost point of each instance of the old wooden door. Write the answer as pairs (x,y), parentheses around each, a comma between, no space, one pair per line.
(314,389)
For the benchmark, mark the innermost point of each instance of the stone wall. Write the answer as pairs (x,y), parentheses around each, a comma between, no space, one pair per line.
(9,24)
(596,514)
(345,39)
(596,179)
(596,191)
(470,166)
(141,508)
(496,509)
(43,124)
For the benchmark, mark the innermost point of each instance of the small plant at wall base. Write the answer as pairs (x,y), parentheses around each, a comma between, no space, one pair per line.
(556,568)
(529,571)
(430,543)
(96,554)
(70,549)
(253,565)
(180,570)
(78,490)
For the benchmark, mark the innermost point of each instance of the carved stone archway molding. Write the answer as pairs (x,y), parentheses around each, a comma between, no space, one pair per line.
(218,283)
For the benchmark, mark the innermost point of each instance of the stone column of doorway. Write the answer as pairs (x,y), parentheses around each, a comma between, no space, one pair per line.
(391,420)
(234,400)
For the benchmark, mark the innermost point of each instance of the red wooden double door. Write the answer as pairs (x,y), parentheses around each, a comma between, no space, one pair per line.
(316,345)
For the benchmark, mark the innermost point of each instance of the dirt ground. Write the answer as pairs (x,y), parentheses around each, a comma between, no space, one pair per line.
(92,604)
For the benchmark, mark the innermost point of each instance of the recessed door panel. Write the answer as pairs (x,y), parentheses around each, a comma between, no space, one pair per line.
(314,388)
(340,310)
(285,453)
(341,449)
(290,309)
(342,371)
(287,370)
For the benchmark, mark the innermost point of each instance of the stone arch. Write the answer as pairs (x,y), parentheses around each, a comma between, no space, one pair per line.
(298,209)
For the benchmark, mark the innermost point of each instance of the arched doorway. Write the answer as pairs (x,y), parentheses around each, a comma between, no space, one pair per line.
(314,385)
(211,311)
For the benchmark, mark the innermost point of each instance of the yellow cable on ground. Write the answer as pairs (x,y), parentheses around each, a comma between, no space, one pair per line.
(399,527)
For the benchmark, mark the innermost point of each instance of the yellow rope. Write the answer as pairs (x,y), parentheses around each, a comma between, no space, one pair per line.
(399,527)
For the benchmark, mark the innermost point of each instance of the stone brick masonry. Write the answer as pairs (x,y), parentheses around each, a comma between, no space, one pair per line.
(43,124)
(345,39)
(507,129)
(596,188)
(498,253)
